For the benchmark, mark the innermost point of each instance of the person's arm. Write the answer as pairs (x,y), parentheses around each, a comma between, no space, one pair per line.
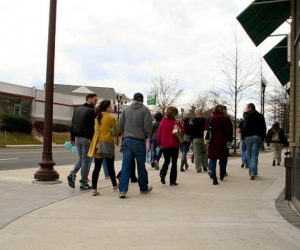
(148,123)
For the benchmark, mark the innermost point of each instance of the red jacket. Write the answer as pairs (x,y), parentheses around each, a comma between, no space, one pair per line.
(164,136)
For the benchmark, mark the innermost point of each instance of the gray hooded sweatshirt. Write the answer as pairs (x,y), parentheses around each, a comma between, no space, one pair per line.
(136,122)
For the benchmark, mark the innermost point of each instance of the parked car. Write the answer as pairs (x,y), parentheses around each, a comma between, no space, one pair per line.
(231,145)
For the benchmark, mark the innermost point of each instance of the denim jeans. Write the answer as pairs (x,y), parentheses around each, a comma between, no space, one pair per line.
(133,148)
(84,162)
(212,164)
(244,154)
(253,144)
(105,168)
(155,151)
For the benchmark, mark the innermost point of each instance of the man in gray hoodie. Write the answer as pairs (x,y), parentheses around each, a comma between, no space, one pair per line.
(136,126)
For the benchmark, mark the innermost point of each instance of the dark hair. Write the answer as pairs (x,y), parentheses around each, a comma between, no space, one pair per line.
(186,120)
(171,112)
(218,109)
(90,96)
(251,106)
(276,125)
(102,108)
(158,116)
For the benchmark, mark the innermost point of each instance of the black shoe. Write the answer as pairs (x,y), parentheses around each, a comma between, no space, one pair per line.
(252,177)
(204,169)
(273,164)
(209,174)
(182,170)
(85,186)
(134,180)
(174,184)
(243,164)
(215,182)
(278,163)
(162,180)
(71,181)
(221,177)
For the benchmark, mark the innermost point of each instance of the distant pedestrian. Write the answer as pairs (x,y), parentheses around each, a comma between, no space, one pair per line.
(105,131)
(169,144)
(229,138)
(155,150)
(185,144)
(255,132)
(244,156)
(220,129)
(82,130)
(276,140)
(199,146)
(136,126)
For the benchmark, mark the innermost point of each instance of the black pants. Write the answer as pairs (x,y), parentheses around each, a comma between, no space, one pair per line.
(132,174)
(110,168)
(170,154)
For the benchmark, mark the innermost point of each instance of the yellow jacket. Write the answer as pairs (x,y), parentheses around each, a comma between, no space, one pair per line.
(104,132)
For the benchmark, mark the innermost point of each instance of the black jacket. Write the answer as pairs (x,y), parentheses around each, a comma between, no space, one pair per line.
(198,126)
(83,122)
(282,138)
(254,124)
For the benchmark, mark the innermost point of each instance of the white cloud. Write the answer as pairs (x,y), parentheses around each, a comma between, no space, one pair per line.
(121,43)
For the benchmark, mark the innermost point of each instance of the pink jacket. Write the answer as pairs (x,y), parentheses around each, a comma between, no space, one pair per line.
(164,136)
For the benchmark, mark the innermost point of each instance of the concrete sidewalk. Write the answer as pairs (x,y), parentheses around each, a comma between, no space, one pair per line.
(237,214)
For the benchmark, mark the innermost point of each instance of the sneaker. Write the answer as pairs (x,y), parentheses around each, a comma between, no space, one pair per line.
(71,181)
(85,186)
(148,190)
(243,164)
(204,169)
(154,164)
(252,177)
(122,195)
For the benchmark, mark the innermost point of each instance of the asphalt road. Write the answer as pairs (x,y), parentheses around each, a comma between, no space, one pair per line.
(20,158)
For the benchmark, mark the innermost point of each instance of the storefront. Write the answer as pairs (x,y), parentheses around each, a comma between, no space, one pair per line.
(15,105)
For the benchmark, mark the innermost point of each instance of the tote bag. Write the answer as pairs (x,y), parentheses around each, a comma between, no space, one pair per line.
(106,150)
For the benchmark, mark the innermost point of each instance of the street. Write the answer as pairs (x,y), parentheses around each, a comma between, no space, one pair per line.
(20,158)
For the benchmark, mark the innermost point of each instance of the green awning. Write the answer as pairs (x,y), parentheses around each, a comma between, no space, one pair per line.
(277,60)
(262,17)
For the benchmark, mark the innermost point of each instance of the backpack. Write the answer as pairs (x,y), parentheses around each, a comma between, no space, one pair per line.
(275,136)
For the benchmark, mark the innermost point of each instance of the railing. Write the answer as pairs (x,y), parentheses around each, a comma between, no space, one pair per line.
(39,126)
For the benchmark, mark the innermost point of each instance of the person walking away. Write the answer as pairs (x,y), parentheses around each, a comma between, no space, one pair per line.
(255,132)
(136,126)
(276,141)
(82,130)
(221,129)
(169,145)
(105,131)
(155,151)
(199,146)
(186,143)
(229,139)
(244,156)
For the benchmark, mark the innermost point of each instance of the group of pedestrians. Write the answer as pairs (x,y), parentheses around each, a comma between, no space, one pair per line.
(93,128)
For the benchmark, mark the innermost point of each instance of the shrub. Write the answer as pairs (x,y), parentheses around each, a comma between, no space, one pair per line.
(15,123)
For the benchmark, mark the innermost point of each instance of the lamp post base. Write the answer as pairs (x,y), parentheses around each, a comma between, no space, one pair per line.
(46,172)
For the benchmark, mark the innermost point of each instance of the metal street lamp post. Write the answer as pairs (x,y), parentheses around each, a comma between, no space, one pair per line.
(46,172)
(182,111)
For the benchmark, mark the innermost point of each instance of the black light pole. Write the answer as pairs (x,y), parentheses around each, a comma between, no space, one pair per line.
(119,98)
(182,111)
(46,172)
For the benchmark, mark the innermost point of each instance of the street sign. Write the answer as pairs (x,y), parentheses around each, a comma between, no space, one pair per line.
(151,100)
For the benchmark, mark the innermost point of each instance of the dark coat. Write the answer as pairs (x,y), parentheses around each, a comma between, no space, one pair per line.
(280,132)
(221,130)
(254,124)
(83,122)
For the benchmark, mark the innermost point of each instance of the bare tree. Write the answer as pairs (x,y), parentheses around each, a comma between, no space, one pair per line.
(278,107)
(166,91)
(238,78)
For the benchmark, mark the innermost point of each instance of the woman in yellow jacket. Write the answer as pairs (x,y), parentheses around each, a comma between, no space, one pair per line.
(105,130)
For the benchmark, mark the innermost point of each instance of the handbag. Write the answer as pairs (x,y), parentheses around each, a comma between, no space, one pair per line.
(177,132)
(106,150)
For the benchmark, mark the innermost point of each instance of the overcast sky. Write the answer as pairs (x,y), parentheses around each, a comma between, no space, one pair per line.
(124,44)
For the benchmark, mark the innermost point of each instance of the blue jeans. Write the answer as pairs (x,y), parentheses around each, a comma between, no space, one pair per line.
(105,168)
(155,151)
(84,162)
(133,148)
(244,154)
(212,167)
(253,144)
